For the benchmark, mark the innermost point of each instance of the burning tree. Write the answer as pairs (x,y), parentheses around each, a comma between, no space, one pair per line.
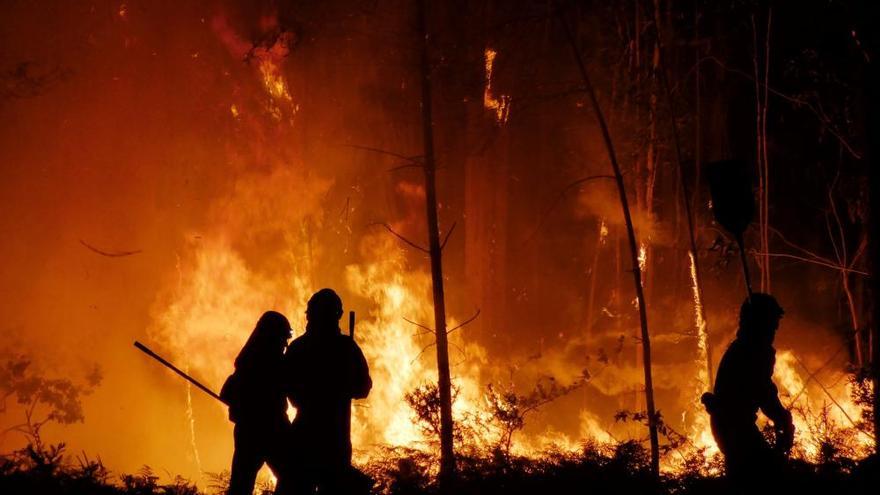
(444,382)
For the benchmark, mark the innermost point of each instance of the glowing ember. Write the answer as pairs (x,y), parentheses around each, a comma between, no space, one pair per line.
(643,256)
(191,419)
(700,324)
(501,104)
(274,81)
(700,427)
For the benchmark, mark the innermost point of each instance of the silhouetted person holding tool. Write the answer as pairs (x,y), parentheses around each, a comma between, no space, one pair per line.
(257,404)
(323,371)
(744,384)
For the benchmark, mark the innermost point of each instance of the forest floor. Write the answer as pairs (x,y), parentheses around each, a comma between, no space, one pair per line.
(621,470)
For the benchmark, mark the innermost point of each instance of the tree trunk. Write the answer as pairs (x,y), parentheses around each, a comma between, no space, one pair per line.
(633,248)
(874,222)
(762,84)
(872,138)
(447,452)
(696,274)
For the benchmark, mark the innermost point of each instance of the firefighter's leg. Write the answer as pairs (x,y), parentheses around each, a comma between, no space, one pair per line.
(753,467)
(246,462)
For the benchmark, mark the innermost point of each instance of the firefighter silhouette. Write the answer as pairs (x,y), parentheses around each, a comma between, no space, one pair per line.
(324,370)
(743,385)
(257,404)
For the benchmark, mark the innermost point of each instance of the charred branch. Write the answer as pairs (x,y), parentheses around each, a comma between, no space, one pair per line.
(109,254)
(401,237)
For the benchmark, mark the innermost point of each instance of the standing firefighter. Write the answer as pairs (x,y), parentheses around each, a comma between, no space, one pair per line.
(256,402)
(744,384)
(323,371)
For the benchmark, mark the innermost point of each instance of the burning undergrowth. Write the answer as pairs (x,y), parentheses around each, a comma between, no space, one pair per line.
(274,239)
(260,260)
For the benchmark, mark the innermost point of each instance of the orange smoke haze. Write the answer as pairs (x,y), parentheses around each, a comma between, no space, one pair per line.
(214,143)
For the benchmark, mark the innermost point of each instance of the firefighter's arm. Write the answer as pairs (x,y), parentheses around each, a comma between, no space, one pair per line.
(781,417)
(772,407)
(361,381)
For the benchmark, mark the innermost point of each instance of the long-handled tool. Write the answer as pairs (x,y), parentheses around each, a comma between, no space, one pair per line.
(146,350)
(149,352)
(733,203)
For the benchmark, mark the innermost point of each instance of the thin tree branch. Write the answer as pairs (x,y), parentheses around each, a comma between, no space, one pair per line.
(443,244)
(403,167)
(462,351)
(845,258)
(343,213)
(818,370)
(472,318)
(19,428)
(796,102)
(109,254)
(415,159)
(831,237)
(432,344)
(547,400)
(402,238)
(799,248)
(428,329)
(559,198)
(859,252)
(815,262)
(833,400)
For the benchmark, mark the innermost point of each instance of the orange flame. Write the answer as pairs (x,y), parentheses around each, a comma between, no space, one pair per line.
(501,104)
(700,429)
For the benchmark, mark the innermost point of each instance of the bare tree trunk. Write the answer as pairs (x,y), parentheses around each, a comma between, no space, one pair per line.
(447,451)
(854,317)
(765,227)
(872,138)
(761,158)
(633,247)
(874,222)
(697,279)
(698,108)
(652,161)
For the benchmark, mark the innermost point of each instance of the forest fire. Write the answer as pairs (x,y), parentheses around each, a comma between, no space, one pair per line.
(220,288)
(482,188)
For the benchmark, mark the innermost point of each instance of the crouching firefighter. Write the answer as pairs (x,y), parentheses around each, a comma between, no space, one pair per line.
(744,384)
(257,405)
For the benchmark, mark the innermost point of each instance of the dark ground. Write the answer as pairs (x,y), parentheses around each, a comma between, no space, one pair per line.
(622,469)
